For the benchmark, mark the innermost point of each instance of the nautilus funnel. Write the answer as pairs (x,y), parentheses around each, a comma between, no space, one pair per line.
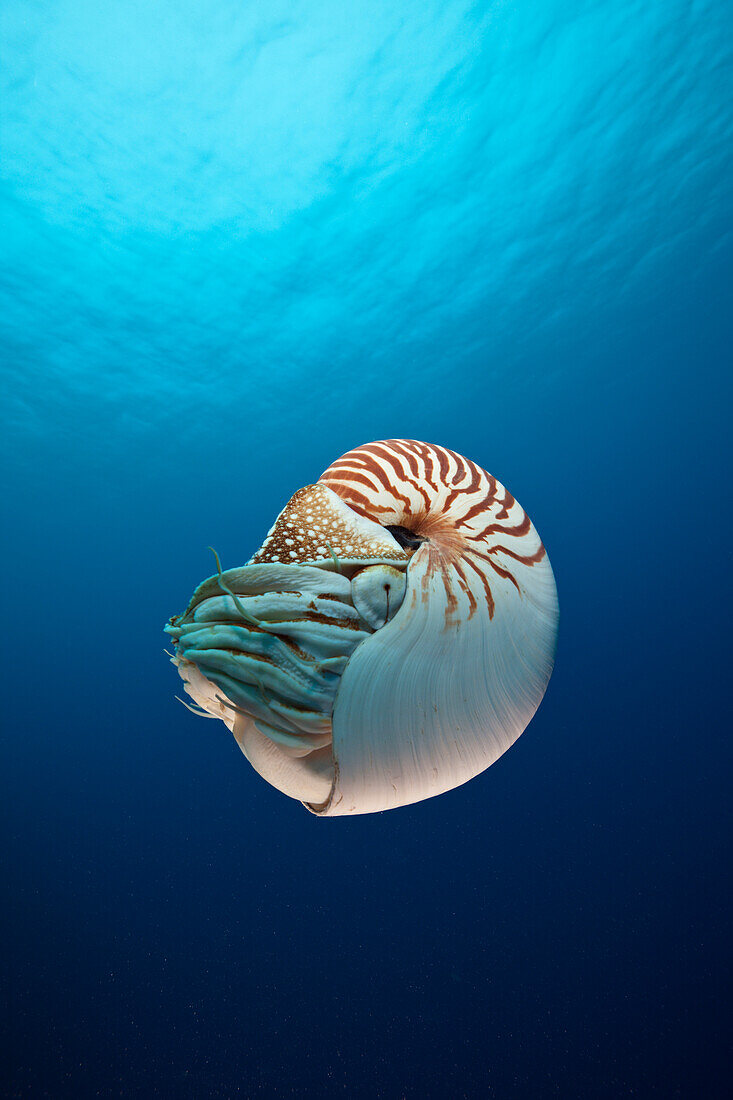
(390,639)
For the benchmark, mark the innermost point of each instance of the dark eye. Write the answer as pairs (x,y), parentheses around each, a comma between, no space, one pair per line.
(406,538)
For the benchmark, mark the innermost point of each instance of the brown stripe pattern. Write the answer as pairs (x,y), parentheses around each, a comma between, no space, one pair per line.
(475,530)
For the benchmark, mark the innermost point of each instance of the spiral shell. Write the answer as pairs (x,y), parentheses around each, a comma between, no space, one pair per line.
(390,639)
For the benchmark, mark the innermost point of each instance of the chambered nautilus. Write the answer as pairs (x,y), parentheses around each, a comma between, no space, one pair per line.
(390,639)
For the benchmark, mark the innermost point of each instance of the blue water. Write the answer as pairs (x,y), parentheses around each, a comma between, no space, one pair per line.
(238,240)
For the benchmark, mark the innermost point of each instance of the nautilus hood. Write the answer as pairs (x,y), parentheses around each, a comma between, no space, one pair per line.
(390,639)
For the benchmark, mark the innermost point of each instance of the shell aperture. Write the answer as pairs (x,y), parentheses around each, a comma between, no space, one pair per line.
(390,639)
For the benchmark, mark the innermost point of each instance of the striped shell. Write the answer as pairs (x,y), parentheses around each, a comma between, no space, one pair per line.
(390,639)
(473,527)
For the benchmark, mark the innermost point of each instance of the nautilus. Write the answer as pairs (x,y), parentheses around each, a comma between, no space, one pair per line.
(390,639)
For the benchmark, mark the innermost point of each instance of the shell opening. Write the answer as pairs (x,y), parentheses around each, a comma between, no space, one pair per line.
(264,647)
(407,539)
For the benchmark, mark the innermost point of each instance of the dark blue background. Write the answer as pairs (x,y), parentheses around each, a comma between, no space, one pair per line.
(237,242)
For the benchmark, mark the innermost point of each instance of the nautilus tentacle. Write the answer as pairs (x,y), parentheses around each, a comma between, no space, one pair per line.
(390,639)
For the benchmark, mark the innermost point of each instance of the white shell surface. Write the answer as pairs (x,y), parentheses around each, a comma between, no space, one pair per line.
(427,703)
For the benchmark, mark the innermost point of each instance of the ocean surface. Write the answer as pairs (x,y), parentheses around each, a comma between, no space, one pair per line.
(237,240)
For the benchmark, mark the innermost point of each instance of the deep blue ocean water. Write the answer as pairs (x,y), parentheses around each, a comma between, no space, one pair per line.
(237,240)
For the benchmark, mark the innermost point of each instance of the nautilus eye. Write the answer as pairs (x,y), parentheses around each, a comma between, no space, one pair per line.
(390,639)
